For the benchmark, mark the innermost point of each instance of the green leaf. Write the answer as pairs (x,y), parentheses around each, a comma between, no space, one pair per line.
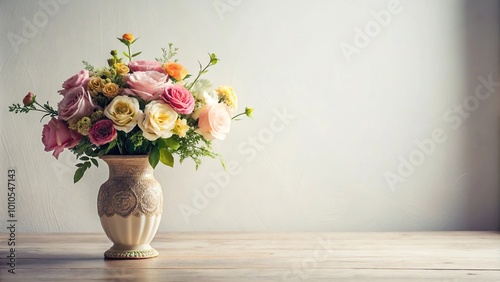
(125,54)
(136,54)
(95,162)
(161,143)
(213,59)
(79,173)
(126,42)
(111,145)
(154,157)
(172,143)
(166,157)
(84,158)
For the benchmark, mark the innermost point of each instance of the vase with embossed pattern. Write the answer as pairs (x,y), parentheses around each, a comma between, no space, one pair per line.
(130,204)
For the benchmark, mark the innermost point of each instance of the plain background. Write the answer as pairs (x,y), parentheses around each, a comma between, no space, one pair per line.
(345,93)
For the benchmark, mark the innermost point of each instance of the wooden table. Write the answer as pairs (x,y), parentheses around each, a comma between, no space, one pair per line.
(436,256)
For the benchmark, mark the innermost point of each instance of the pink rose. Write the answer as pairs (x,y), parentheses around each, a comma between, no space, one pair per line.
(102,132)
(179,98)
(56,136)
(29,99)
(148,85)
(214,121)
(146,66)
(76,103)
(79,79)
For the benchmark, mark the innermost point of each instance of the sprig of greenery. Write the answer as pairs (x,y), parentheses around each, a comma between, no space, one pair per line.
(88,66)
(167,55)
(203,70)
(83,166)
(127,43)
(34,106)
(194,146)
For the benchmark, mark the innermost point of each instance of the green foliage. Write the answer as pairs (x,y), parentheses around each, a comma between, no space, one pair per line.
(194,146)
(213,60)
(168,54)
(34,106)
(88,66)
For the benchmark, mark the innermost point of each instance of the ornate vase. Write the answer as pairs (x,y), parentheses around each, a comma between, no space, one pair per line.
(130,204)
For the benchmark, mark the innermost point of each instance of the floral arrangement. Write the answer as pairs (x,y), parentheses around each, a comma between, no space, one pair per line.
(143,107)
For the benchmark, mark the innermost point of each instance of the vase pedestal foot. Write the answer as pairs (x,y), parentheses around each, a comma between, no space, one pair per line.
(117,252)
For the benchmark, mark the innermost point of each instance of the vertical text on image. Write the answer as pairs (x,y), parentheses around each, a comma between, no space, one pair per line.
(11,221)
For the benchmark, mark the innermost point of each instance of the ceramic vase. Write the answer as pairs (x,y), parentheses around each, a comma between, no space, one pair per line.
(130,204)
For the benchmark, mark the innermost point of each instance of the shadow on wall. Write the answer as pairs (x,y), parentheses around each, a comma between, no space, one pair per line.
(480,115)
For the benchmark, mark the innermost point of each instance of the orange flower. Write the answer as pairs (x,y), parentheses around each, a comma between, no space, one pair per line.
(175,70)
(128,36)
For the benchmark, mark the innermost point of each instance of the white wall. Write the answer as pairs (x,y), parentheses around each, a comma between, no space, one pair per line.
(354,116)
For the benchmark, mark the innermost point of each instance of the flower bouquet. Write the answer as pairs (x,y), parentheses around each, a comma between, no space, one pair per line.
(143,107)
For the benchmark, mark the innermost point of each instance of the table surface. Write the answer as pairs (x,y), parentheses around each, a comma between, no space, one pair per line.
(236,256)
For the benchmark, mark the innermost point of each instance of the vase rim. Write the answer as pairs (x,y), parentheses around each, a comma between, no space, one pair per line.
(123,156)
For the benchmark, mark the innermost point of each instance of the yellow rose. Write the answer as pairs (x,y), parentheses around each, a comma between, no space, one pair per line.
(95,85)
(121,69)
(226,95)
(124,112)
(181,127)
(110,90)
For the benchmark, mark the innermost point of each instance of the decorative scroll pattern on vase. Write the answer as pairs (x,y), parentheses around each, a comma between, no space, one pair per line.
(119,198)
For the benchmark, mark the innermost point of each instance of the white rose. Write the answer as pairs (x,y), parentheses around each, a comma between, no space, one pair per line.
(200,86)
(124,112)
(209,99)
(157,121)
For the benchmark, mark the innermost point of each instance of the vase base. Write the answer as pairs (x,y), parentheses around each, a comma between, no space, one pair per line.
(131,254)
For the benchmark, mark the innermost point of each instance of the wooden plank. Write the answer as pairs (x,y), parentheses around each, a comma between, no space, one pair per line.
(230,256)
(249,274)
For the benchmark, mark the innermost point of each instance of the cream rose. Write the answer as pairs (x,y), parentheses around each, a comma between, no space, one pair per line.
(157,121)
(124,112)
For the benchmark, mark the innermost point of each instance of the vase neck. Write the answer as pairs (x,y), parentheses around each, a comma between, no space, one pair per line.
(125,165)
